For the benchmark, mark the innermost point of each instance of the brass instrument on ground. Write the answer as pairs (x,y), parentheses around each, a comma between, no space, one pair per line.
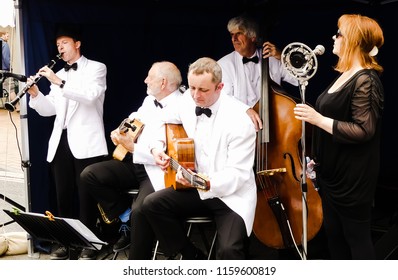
(104,216)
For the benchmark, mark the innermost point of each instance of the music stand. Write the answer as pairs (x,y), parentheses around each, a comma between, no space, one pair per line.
(70,233)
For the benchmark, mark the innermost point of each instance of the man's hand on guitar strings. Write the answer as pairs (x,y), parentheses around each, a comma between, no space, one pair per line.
(180,177)
(161,159)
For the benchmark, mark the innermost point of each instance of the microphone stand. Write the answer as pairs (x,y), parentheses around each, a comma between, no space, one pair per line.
(303,183)
(301,62)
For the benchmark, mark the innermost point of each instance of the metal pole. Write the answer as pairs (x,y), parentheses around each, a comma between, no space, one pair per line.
(24,121)
(303,84)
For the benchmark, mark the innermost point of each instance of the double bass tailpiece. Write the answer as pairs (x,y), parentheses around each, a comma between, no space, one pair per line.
(271,172)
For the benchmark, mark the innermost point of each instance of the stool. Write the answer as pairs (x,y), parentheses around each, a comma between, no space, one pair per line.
(196,220)
(201,220)
(133,193)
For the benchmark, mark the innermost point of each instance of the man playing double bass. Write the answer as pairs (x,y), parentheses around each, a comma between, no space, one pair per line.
(277,165)
(242,67)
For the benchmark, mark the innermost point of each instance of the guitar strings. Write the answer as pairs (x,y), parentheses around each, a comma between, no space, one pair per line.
(195,181)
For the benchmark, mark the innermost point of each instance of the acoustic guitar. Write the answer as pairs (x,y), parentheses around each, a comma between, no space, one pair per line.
(134,128)
(181,150)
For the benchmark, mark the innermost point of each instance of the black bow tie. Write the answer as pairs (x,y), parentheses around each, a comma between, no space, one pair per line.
(67,67)
(158,104)
(199,111)
(253,59)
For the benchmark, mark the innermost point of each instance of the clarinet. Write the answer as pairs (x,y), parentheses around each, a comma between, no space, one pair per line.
(10,106)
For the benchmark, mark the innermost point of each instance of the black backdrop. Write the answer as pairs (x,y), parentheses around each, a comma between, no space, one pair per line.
(128,36)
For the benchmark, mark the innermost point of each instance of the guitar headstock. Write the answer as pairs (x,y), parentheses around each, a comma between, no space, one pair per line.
(133,125)
(200,181)
(122,127)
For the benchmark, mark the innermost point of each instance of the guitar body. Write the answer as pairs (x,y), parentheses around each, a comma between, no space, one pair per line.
(180,148)
(133,128)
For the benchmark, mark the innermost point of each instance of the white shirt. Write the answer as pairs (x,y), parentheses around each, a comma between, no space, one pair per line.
(243,81)
(204,128)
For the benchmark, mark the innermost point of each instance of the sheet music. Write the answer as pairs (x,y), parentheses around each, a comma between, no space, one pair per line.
(86,232)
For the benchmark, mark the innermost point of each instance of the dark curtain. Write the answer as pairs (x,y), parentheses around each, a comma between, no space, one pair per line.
(129,36)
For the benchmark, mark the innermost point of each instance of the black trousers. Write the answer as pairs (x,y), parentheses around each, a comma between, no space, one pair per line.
(142,235)
(166,210)
(72,200)
(108,181)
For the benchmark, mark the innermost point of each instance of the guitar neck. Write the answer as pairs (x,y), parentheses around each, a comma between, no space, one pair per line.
(195,180)
(175,165)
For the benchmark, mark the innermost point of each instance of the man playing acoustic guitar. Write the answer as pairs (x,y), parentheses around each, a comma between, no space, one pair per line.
(224,148)
(109,181)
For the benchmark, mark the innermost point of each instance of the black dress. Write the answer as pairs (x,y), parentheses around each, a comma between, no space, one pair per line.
(349,159)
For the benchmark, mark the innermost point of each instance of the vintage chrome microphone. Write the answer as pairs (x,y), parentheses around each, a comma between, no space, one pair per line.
(10,106)
(8,74)
(300,61)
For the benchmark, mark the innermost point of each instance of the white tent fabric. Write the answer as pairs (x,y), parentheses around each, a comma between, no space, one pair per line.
(7,14)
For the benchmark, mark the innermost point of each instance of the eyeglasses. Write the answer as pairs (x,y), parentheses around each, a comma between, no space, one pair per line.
(338,34)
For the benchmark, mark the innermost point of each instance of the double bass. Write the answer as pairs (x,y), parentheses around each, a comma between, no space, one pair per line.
(278,221)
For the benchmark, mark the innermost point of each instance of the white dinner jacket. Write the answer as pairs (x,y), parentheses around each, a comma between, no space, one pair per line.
(150,116)
(86,133)
(231,153)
